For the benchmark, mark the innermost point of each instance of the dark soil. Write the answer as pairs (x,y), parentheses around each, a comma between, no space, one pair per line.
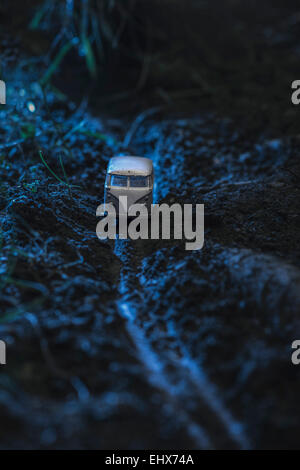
(142,344)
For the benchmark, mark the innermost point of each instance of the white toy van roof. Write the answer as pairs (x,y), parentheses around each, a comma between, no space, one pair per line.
(128,165)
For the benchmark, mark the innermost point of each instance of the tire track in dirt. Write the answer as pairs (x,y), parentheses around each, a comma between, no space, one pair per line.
(206,419)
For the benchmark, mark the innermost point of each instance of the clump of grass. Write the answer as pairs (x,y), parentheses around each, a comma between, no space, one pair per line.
(66,182)
(93,27)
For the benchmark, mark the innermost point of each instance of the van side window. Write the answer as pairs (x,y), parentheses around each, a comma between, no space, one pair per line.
(138,181)
(118,180)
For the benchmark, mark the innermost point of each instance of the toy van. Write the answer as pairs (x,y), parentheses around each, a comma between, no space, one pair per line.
(132,177)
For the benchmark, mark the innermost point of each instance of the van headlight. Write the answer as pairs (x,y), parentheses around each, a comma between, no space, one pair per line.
(143,200)
(110,198)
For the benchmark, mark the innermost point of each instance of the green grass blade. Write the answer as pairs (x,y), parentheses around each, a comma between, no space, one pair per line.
(57,60)
(90,57)
(51,171)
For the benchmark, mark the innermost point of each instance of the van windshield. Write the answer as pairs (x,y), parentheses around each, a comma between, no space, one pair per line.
(138,181)
(118,180)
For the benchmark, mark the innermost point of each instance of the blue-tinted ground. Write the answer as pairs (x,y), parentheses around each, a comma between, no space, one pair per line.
(143,344)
